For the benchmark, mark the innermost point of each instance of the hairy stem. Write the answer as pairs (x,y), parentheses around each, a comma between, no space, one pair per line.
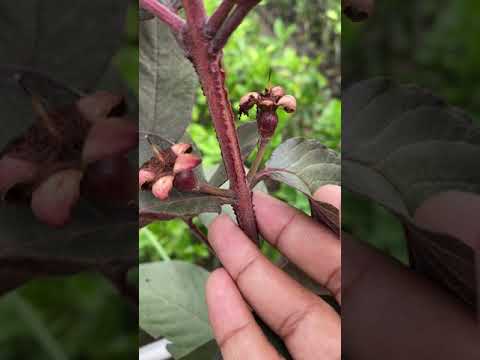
(219,16)
(232,23)
(199,234)
(164,13)
(212,190)
(212,79)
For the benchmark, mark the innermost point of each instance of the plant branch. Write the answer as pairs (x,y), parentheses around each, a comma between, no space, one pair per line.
(196,15)
(262,146)
(212,79)
(199,234)
(212,190)
(164,13)
(229,26)
(218,17)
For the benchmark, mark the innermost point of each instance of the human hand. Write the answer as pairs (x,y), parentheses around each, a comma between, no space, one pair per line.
(309,327)
(391,312)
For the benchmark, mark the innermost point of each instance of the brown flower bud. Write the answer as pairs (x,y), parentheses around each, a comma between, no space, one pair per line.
(186,162)
(267,104)
(247,101)
(288,103)
(162,187)
(267,123)
(277,91)
(186,181)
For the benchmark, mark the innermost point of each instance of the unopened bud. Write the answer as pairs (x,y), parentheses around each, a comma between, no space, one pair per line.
(144,177)
(162,187)
(288,103)
(267,123)
(247,101)
(186,181)
(181,148)
(277,91)
(186,162)
(267,104)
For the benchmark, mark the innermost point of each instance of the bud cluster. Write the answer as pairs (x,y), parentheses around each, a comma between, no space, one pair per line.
(48,163)
(172,167)
(267,103)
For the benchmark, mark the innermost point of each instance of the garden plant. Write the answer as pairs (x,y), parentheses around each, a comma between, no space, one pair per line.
(180,45)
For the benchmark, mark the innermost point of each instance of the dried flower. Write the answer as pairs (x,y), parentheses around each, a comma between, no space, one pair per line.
(51,158)
(161,172)
(267,104)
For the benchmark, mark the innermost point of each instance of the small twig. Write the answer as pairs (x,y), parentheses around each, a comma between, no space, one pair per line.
(212,190)
(231,24)
(199,234)
(262,146)
(156,150)
(219,17)
(165,14)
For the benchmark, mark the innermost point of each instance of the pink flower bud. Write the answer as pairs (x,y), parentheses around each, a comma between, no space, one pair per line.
(145,176)
(247,101)
(97,106)
(288,103)
(181,148)
(109,137)
(15,171)
(277,91)
(162,187)
(186,162)
(54,199)
(186,181)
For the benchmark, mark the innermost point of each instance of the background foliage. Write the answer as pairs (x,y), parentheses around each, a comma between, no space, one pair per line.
(430,43)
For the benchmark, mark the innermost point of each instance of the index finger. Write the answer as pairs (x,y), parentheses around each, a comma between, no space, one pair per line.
(311,246)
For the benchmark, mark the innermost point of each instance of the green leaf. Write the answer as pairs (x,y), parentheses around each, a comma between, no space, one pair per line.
(184,205)
(304,165)
(248,138)
(91,241)
(172,305)
(167,85)
(402,145)
(60,51)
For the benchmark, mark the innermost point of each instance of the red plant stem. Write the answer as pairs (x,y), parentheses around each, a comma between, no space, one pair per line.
(219,16)
(229,26)
(199,234)
(175,22)
(212,79)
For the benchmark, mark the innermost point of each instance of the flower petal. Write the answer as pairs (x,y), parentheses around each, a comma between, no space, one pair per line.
(181,148)
(186,162)
(145,176)
(99,105)
(161,189)
(15,171)
(54,199)
(109,137)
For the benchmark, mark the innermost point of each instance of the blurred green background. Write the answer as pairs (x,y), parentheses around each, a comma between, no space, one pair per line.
(299,42)
(430,43)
